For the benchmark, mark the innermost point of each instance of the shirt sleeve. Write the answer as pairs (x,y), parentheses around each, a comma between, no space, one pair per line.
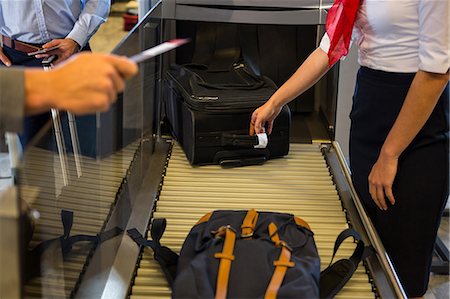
(12,99)
(91,17)
(325,41)
(434,41)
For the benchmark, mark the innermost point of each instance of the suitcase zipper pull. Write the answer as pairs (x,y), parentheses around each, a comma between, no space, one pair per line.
(204,99)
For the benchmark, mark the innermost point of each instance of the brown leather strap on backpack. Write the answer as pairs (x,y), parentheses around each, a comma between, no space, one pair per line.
(249,223)
(205,218)
(226,257)
(301,222)
(281,265)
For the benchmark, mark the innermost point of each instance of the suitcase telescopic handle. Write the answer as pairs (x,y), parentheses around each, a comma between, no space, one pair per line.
(239,162)
(245,141)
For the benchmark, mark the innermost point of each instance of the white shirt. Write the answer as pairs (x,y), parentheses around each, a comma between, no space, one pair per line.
(39,21)
(402,35)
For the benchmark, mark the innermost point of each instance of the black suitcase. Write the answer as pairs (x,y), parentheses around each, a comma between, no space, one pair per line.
(209,114)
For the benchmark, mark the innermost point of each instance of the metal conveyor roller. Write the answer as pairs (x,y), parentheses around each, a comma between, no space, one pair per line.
(90,197)
(300,184)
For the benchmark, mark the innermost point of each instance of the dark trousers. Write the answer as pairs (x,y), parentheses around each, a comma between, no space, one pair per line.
(33,124)
(408,229)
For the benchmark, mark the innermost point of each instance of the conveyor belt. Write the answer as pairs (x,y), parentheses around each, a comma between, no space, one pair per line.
(300,184)
(90,197)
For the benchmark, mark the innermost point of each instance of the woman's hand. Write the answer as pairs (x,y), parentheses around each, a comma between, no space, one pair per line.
(381,179)
(265,114)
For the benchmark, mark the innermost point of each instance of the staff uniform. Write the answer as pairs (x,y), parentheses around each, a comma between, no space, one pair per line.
(395,40)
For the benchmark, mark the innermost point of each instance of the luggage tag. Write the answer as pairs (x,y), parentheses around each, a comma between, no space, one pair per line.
(263,140)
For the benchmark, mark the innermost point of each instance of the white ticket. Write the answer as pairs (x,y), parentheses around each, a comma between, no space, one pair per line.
(159,49)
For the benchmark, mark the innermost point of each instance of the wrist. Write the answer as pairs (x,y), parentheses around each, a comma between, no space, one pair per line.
(38,95)
(75,44)
(389,152)
(274,104)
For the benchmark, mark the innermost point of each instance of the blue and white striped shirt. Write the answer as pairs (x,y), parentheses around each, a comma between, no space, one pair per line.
(40,21)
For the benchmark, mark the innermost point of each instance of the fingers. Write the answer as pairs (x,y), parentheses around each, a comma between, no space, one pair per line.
(389,194)
(124,66)
(379,192)
(4,59)
(39,56)
(380,197)
(270,127)
(373,194)
(259,127)
(251,130)
(118,82)
(52,43)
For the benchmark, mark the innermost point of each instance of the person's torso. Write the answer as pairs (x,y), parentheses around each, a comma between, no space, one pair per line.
(38,21)
(387,33)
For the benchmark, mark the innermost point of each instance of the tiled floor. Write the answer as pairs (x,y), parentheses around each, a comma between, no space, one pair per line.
(109,35)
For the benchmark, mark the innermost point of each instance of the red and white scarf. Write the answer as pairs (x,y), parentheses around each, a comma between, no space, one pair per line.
(339,26)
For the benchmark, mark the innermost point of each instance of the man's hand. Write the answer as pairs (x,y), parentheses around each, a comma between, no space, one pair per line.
(67,47)
(4,58)
(84,84)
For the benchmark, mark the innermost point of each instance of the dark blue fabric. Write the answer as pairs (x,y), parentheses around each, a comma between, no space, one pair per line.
(252,267)
(408,229)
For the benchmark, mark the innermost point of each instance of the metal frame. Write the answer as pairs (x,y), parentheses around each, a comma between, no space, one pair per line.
(287,12)
(388,285)
(441,266)
(10,253)
(113,264)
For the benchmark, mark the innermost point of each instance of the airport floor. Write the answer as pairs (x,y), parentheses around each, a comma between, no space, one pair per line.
(108,36)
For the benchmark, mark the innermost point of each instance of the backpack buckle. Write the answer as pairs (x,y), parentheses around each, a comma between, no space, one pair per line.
(284,244)
(220,232)
(247,235)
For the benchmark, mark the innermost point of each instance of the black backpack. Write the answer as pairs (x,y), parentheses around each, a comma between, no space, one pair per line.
(249,254)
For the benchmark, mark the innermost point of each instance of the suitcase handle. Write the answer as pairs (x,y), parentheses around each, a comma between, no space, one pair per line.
(245,141)
(238,162)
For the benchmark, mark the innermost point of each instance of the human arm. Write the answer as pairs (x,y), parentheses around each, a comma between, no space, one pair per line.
(423,94)
(91,17)
(314,67)
(84,84)
(422,97)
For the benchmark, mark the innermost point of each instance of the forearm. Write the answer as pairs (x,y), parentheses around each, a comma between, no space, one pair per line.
(37,91)
(420,101)
(314,67)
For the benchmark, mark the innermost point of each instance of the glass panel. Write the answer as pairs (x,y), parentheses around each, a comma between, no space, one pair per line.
(76,172)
